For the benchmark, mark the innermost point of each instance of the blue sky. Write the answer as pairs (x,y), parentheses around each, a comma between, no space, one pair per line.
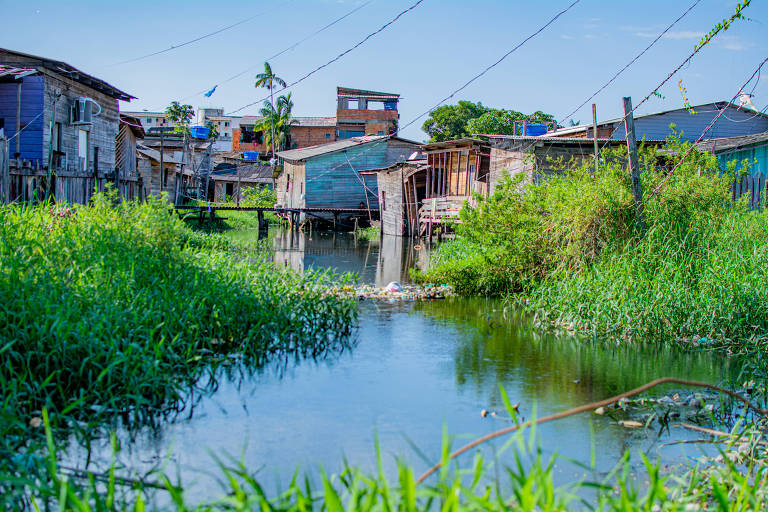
(424,56)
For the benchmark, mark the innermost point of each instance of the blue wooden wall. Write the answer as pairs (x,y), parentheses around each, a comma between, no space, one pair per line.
(732,123)
(31,105)
(757,156)
(331,181)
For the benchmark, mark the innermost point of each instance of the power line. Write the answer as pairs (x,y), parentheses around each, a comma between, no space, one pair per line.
(709,127)
(200,38)
(285,50)
(339,56)
(499,61)
(614,77)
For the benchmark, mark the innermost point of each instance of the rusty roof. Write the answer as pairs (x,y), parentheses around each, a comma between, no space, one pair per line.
(24,59)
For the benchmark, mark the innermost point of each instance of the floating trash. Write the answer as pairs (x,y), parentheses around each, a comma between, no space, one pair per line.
(395,291)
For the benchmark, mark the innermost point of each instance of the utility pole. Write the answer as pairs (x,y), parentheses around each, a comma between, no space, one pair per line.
(594,135)
(634,169)
(162,167)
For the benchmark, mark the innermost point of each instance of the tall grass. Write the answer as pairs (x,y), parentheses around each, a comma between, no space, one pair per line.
(120,308)
(566,249)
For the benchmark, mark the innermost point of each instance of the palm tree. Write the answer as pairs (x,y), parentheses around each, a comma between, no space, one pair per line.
(268,80)
(279,119)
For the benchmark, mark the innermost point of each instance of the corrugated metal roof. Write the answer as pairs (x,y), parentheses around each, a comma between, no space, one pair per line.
(360,93)
(71,72)
(726,144)
(297,155)
(451,143)
(716,104)
(571,140)
(16,72)
(314,121)
(155,155)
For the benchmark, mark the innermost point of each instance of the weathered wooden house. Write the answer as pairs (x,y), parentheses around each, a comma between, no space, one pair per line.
(231,180)
(429,189)
(158,175)
(62,119)
(396,185)
(735,121)
(752,149)
(541,156)
(329,176)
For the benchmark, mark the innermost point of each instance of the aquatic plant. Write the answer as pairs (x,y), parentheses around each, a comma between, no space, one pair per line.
(120,308)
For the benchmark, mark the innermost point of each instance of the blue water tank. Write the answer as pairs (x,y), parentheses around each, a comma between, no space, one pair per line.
(251,156)
(535,129)
(200,132)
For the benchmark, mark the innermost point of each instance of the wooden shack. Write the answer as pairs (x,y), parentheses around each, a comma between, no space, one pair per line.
(65,124)
(157,178)
(541,156)
(401,186)
(231,180)
(328,176)
(455,170)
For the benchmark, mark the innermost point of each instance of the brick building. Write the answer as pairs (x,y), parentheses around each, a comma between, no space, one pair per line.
(360,112)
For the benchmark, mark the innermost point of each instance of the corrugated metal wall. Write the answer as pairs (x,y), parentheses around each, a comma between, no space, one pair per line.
(31,139)
(757,157)
(732,123)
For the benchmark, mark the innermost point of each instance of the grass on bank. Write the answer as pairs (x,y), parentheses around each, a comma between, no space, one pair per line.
(566,249)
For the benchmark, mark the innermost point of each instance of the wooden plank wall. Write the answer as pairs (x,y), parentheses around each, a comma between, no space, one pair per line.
(390,184)
(753,187)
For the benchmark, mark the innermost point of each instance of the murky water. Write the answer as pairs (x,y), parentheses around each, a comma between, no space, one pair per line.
(413,370)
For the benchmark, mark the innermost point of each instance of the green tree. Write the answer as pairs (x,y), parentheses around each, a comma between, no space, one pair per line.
(213,132)
(279,120)
(450,121)
(180,115)
(502,121)
(268,80)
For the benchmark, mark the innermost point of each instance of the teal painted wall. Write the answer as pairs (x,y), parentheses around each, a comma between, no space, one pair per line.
(332,183)
(756,155)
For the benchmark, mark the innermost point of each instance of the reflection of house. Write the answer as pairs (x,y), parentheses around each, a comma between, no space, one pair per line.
(360,112)
(328,176)
(735,121)
(230,179)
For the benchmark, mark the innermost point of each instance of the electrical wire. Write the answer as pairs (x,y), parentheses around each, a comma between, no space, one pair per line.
(283,51)
(709,127)
(339,56)
(25,126)
(200,38)
(614,77)
(499,61)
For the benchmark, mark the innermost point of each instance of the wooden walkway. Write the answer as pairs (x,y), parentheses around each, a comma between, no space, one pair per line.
(290,214)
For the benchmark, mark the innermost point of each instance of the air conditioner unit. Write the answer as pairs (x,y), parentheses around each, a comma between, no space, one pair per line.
(81,111)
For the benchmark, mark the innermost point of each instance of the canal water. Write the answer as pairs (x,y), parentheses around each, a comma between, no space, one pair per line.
(412,372)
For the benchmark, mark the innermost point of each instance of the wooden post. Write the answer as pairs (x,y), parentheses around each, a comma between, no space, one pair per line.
(5,170)
(594,135)
(634,169)
(238,185)
(162,167)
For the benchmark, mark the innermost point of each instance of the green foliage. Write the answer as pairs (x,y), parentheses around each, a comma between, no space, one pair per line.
(279,118)
(213,130)
(466,118)
(369,233)
(122,308)
(502,121)
(180,115)
(450,121)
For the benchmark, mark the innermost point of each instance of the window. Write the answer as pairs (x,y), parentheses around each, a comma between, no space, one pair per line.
(375,105)
(353,104)
(148,120)
(327,136)
(229,190)
(288,183)
(56,140)
(226,123)
(82,149)
(383,201)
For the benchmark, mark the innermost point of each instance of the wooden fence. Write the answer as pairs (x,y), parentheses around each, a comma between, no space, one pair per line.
(752,186)
(22,181)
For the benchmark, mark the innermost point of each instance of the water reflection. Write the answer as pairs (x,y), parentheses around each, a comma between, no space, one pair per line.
(415,369)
